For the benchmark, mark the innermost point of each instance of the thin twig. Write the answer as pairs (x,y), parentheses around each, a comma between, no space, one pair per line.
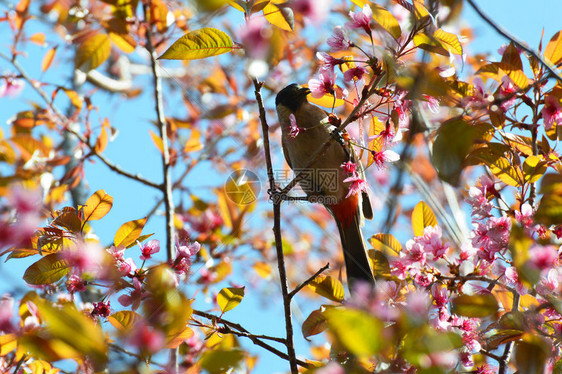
(68,128)
(166,164)
(277,233)
(306,282)
(256,339)
(500,30)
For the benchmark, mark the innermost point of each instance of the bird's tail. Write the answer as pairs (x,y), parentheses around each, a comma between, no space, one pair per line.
(348,218)
(357,262)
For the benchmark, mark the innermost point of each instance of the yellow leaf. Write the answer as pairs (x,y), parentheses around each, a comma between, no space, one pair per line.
(263,269)
(236,5)
(124,320)
(202,43)
(74,97)
(8,342)
(123,41)
(97,206)
(129,232)
(429,43)
(48,59)
(553,50)
(73,328)
(449,41)
(422,217)
(329,287)
(40,367)
(280,16)
(193,144)
(38,38)
(386,20)
(506,172)
(386,243)
(533,168)
(377,144)
(93,52)
(229,298)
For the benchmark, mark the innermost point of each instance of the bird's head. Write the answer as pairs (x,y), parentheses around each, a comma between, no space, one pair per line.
(292,96)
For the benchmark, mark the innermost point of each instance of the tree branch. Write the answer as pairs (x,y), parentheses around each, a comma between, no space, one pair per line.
(256,339)
(277,233)
(306,282)
(500,30)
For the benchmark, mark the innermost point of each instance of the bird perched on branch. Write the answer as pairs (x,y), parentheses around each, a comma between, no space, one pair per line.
(332,178)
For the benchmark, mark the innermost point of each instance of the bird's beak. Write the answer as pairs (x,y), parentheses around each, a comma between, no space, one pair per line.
(305,90)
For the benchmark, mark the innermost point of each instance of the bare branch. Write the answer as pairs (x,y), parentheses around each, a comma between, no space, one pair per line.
(277,233)
(500,30)
(306,282)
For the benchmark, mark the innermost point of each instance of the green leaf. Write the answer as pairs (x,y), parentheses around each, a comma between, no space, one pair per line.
(93,52)
(386,20)
(47,270)
(97,206)
(422,217)
(220,361)
(129,232)
(357,331)
(450,148)
(549,211)
(381,267)
(202,43)
(229,298)
(475,306)
(314,324)
(328,287)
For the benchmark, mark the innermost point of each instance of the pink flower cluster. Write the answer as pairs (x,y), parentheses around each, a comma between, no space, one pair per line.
(418,254)
(356,182)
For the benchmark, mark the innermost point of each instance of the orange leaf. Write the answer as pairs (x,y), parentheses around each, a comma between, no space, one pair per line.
(193,144)
(48,59)
(157,141)
(38,38)
(97,206)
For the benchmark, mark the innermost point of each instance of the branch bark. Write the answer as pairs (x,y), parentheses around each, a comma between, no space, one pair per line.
(277,233)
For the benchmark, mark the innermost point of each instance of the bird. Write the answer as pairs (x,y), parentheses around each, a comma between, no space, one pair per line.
(324,179)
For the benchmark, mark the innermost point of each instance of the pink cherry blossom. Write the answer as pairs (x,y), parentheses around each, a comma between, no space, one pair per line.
(525,215)
(328,61)
(486,369)
(75,284)
(206,222)
(481,206)
(314,10)
(382,157)
(255,37)
(101,309)
(551,112)
(349,167)
(10,86)
(431,103)
(149,249)
(135,297)
(355,74)
(339,41)
(507,90)
(294,129)
(7,314)
(356,185)
(543,257)
(146,338)
(439,294)
(323,85)
(361,20)
(331,368)
(85,258)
